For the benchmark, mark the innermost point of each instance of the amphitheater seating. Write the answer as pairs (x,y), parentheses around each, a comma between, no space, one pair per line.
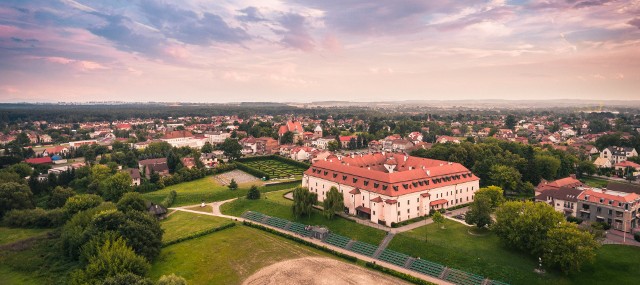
(299,229)
(427,267)
(254,216)
(363,248)
(495,282)
(277,222)
(337,240)
(394,257)
(463,278)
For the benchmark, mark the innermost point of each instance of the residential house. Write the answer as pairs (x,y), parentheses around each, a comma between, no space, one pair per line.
(301,153)
(56,150)
(135,176)
(266,145)
(564,200)
(602,162)
(415,137)
(216,137)
(446,139)
(39,160)
(188,162)
(155,165)
(344,141)
(568,182)
(322,143)
(294,127)
(618,154)
(618,209)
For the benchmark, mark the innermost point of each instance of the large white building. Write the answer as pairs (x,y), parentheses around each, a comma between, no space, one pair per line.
(392,187)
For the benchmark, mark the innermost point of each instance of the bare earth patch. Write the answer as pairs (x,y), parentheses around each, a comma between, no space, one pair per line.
(239,175)
(318,271)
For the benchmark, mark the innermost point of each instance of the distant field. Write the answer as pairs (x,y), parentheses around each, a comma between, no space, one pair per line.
(226,257)
(10,235)
(182,224)
(276,205)
(484,255)
(209,190)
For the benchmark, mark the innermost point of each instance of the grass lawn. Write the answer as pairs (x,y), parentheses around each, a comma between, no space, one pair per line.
(483,254)
(278,206)
(205,209)
(9,235)
(182,224)
(226,257)
(39,264)
(595,181)
(193,192)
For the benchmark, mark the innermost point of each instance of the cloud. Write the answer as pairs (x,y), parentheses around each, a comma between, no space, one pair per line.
(635,22)
(590,3)
(382,17)
(119,29)
(250,14)
(294,32)
(190,27)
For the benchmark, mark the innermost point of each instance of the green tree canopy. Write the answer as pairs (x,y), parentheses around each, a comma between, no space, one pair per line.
(569,248)
(254,193)
(494,193)
(332,203)
(438,218)
(480,211)
(506,177)
(14,196)
(231,148)
(115,186)
(131,201)
(59,197)
(303,201)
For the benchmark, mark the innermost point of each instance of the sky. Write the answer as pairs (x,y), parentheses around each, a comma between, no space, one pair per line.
(318,50)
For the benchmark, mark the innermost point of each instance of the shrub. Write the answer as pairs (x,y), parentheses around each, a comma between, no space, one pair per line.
(636,236)
(36,218)
(113,258)
(255,172)
(574,220)
(254,193)
(410,221)
(168,201)
(131,201)
(172,279)
(82,202)
(59,197)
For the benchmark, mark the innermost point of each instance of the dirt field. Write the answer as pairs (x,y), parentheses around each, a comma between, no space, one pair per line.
(239,175)
(317,271)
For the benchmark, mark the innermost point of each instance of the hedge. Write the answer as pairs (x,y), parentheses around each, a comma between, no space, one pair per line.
(636,236)
(36,218)
(458,207)
(278,158)
(198,234)
(403,276)
(302,241)
(410,221)
(168,201)
(252,171)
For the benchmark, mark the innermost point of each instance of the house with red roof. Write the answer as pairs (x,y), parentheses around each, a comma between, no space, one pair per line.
(292,126)
(345,140)
(391,187)
(618,209)
(39,160)
(569,182)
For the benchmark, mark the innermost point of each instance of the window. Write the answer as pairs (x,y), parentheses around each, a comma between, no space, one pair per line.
(398,213)
(418,199)
(407,211)
(417,208)
(610,212)
(408,202)
(598,210)
(374,212)
(395,187)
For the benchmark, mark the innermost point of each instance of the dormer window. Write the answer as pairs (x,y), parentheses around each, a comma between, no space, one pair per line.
(366,182)
(355,180)
(375,185)
(395,187)
(406,186)
(326,172)
(335,175)
(384,187)
(344,177)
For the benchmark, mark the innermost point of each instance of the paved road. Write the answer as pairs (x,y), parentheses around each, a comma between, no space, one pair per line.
(617,237)
(216,212)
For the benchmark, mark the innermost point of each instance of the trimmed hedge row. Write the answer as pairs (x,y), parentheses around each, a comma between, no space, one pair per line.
(403,276)
(278,158)
(458,207)
(198,234)
(636,236)
(168,201)
(36,218)
(255,172)
(410,221)
(302,241)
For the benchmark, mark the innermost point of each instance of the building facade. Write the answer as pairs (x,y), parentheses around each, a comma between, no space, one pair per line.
(618,209)
(392,187)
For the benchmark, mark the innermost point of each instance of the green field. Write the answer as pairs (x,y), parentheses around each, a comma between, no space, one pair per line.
(484,255)
(275,168)
(182,224)
(226,257)
(10,235)
(209,190)
(276,205)
(595,182)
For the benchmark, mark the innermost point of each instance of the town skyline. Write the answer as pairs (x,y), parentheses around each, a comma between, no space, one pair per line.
(303,51)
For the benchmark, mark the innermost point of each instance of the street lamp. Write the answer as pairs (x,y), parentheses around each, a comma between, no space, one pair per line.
(624,227)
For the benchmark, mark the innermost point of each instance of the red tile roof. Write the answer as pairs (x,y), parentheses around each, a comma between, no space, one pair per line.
(413,174)
(627,163)
(177,134)
(555,185)
(38,160)
(594,197)
(377,199)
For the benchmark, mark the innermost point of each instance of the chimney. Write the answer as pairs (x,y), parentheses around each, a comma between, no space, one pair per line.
(428,172)
(406,157)
(410,167)
(368,168)
(450,163)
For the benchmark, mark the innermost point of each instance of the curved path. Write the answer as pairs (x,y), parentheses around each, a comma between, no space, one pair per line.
(216,212)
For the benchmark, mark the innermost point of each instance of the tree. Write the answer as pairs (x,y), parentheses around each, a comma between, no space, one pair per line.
(207,148)
(504,176)
(127,279)
(115,186)
(14,196)
(113,258)
(82,202)
(546,166)
(569,248)
(510,122)
(172,279)
(287,138)
(333,146)
(22,169)
(173,162)
(353,144)
(586,167)
(233,185)
(332,203)
(524,225)
(59,197)
(303,201)
(494,193)
(254,193)
(90,155)
(231,148)
(438,218)
(480,211)
(131,201)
